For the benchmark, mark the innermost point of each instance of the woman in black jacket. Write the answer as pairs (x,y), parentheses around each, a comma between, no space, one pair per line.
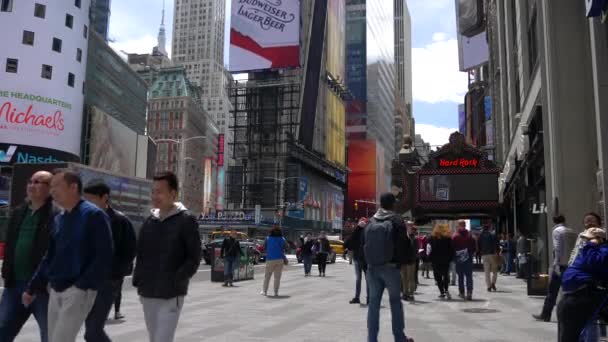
(441,255)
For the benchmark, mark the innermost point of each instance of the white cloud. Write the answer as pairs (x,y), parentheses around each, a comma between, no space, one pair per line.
(436,75)
(439,36)
(140,45)
(435,135)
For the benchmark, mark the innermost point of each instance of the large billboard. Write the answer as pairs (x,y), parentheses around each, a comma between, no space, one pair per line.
(112,145)
(264,34)
(41,84)
(459,187)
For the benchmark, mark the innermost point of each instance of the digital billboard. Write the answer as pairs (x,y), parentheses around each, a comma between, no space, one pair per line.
(41,89)
(264,34)
(458,187)
(462,119)
(112,145)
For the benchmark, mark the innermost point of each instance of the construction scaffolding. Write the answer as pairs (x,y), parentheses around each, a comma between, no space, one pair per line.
(265,122)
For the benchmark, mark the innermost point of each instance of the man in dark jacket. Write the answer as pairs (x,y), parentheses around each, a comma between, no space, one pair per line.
(123,236)
(231,251)
(408,270)
(26,243)
(386,275)
(354,245)
(488,245)
(77,261)
(168,255)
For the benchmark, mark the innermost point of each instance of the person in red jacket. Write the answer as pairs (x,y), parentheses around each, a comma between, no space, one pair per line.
(465,247)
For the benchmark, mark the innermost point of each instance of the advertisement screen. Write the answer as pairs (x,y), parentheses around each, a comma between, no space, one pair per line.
(462,120)
(458,187)
(112,145)
(264,34)
(221,184)
(207,185)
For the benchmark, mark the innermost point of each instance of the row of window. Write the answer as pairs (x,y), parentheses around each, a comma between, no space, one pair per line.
(12,66)
(29,38)
(39,10)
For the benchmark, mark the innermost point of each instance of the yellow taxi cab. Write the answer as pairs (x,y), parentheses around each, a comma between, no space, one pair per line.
(221,234)
(337,247)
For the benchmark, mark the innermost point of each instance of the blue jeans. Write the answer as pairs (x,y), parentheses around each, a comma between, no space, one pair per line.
(508,263)
(358,275)
(96,320)
(379,278)
(307,259)
(13,314)
(465,270)
(229,264)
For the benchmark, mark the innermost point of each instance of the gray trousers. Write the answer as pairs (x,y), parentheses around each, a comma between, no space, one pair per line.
(161,317)
(67,312)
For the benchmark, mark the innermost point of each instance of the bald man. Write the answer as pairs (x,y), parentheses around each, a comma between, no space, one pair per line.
(26,243)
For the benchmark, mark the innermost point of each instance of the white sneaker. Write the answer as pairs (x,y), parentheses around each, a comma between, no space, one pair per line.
(263,293)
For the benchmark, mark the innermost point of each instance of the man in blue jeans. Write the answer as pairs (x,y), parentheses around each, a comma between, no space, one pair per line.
(26,243)
(465,249)
(384,267)
(231,251)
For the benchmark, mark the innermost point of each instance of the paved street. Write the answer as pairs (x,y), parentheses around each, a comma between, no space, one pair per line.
(317,309)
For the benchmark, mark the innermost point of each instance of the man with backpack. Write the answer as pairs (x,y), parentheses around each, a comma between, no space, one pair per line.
(385,248)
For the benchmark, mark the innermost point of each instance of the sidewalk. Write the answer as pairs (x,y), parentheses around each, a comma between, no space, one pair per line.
(316,309)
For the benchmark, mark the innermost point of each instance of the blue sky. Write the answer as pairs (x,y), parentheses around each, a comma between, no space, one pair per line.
(438,86)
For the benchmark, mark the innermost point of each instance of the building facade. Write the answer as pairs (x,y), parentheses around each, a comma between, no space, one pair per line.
(100,17)
(403,69)
(184,134)
(548,62)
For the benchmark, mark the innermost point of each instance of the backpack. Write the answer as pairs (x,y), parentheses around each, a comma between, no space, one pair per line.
(379,246)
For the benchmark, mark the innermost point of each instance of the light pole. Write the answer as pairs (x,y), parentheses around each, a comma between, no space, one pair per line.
(181,162)
(281,195)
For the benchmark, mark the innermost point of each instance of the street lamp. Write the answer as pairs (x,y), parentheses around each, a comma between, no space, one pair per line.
(281,194)
(181,169)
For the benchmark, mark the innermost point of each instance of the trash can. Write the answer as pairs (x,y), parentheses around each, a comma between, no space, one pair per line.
(243,269)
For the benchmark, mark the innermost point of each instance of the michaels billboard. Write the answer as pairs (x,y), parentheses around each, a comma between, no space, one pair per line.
(264,34)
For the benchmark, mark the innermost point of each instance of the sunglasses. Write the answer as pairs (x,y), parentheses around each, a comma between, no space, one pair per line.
(36,182)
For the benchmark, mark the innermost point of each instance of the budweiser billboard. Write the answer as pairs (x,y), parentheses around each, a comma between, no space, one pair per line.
(264,34)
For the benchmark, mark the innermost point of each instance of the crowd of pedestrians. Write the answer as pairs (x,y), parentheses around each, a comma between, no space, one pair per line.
(68,251)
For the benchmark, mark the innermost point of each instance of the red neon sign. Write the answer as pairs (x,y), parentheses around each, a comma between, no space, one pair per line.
(459,162)
(220,150)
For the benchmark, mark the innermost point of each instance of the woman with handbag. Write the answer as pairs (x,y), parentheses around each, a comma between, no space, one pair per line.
(275,246)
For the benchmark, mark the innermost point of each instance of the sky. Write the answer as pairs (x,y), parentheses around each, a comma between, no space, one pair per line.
(438,86)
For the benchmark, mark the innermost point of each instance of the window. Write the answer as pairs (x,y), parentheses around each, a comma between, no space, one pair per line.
(28,38)
(56,44)
(12,65)
(39,11)
(86,31)
(71,79)
(77,3)
(78,55)
(69,20)
(6,5)
(47,71)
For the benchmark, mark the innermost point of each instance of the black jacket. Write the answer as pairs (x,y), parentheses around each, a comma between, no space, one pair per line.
(39,245)
(412,250)
(355,243)
(307,247)
(231,247)
(125,244)
(322,246)
(442,251)
(168,255)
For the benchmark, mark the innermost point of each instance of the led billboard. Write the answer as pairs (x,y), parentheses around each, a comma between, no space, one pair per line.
(458,187)
(264,34)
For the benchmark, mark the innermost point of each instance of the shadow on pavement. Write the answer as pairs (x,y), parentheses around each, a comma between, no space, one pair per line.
(278,297)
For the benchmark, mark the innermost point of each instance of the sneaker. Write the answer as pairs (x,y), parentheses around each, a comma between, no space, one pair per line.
(276,294)
(231,284)
(225,285)
(469,297)
(494,287)
(355,301)
(323,274)
(461,295)
(442,296)
(118,316)
(448,296)
(490,289)
(263,293)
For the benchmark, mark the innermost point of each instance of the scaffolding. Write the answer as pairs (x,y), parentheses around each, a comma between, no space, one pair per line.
(265,122)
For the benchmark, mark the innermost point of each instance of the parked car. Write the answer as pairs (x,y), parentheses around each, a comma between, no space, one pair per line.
(217,243)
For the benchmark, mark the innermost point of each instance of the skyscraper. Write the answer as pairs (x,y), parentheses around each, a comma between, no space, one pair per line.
(403,69)
(100,17)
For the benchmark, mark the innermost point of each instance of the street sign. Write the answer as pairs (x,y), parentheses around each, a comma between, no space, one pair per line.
(258,214)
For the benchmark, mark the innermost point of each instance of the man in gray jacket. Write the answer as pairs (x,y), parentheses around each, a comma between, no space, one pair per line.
(564,240)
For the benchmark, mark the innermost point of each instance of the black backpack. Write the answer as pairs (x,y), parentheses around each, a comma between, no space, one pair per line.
(379,246)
